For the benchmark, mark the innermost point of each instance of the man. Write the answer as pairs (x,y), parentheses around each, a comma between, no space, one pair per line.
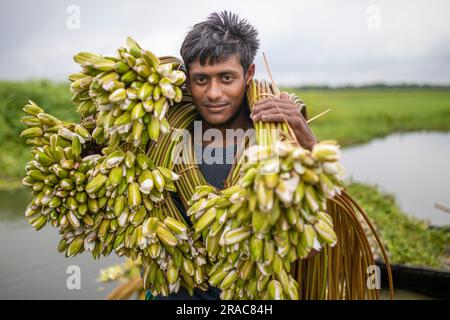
(218,54)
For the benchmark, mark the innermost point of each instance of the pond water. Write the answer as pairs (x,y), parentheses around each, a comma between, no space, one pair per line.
(413,166)
(30,265)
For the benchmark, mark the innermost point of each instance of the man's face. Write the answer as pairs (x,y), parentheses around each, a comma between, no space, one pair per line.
(218,90)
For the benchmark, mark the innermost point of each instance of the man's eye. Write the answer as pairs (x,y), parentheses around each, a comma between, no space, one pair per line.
(201,79)
(227,78)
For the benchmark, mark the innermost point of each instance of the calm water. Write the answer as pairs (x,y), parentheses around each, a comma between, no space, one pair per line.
(413,166)
(30,265)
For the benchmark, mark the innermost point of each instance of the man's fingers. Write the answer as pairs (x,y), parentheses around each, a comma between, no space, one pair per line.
(264,115)
(269,99)
(257,114)
(284,96)
(271,105)
(274,118)
(285,109)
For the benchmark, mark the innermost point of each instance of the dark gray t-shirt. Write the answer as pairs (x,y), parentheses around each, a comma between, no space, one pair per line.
(215,163)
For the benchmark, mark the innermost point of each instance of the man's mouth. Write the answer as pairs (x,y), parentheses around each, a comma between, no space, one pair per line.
(216,107)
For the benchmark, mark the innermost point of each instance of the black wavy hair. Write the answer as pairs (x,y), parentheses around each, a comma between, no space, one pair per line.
(221,35)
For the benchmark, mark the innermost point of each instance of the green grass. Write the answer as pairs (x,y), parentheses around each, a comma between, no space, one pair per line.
(409,240)
(53,97)
(360,115)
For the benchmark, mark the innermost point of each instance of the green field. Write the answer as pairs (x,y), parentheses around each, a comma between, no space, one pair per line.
(359,115)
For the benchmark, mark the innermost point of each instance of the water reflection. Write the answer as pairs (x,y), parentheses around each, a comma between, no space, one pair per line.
(30,265)
(413,166)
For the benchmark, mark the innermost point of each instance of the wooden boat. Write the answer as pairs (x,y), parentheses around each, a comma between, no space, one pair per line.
(428,281)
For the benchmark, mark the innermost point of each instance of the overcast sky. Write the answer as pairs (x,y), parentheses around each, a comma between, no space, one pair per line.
(307,42)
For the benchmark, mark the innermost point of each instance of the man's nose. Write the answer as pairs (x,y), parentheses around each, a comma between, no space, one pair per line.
(214,91)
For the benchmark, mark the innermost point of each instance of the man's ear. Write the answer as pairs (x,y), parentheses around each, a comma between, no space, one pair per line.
(250,73)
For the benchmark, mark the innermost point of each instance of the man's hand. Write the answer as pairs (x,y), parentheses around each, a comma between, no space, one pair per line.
(273,109)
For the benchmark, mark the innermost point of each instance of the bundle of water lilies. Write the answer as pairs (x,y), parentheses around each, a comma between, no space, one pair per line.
(107,184)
